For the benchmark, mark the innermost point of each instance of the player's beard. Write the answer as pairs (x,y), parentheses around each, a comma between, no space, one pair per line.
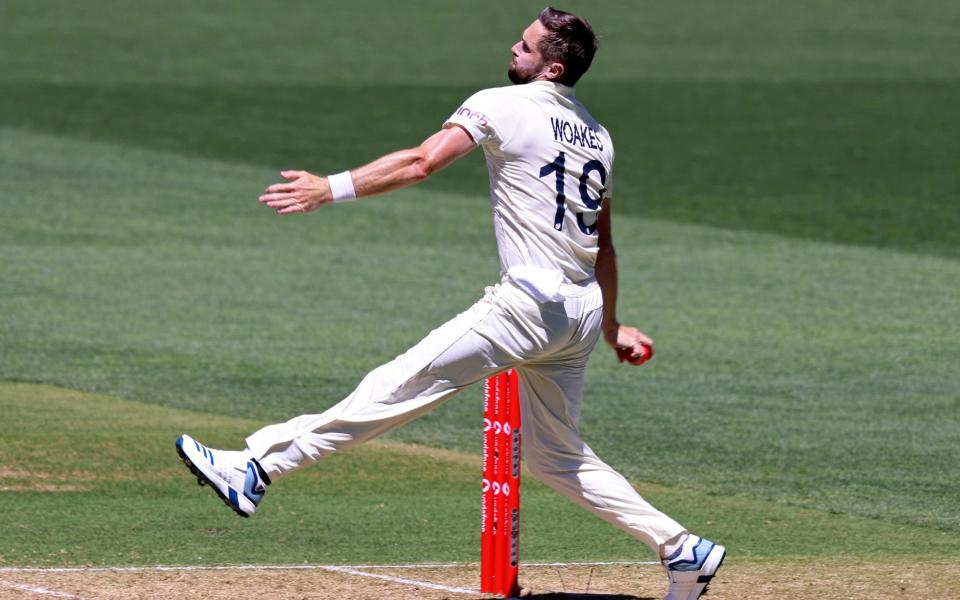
(518,76)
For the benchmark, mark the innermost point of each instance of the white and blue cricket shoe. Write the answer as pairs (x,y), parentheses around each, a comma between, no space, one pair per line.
(233,475)
(691,567)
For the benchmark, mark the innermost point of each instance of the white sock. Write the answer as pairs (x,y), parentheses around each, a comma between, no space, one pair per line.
(673,544)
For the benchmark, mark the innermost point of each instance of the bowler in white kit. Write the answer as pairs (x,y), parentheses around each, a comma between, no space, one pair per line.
(551,168)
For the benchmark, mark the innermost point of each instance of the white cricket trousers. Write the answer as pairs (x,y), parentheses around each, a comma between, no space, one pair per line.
(547,343)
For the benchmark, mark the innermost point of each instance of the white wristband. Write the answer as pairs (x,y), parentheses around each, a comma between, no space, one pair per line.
(341,186)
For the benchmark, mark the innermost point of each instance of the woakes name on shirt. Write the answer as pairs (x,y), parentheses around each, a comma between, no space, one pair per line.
(576,133)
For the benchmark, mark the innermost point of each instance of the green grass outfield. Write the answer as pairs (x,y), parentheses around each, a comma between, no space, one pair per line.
(787,224)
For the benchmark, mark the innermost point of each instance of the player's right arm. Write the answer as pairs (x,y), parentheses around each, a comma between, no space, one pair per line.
(303,191)
(630,344)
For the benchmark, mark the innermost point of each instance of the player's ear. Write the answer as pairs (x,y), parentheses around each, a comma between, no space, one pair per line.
(554,71)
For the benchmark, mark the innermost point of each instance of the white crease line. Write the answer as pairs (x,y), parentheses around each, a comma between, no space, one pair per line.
(390,578)
(613,563)
(38,590)
(302,567)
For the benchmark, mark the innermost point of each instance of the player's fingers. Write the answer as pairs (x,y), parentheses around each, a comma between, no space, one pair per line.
(648,348)
(281,187)
(292,174)
(293,208)
(282,203)
(643,338)
(635,355)
(641,354)
(276,196)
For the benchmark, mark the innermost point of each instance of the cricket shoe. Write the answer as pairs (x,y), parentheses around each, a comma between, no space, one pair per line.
(232,475)
(691,567)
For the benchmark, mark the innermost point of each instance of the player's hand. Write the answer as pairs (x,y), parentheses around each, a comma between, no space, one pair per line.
(631,345)
(302,192)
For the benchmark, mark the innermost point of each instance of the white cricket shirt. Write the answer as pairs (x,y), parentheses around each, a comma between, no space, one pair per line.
(550,164)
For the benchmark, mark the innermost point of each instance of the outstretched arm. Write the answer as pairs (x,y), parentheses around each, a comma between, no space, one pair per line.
(630,344)
(303,191)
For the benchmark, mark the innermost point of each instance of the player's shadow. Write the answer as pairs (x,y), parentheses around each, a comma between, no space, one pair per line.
(585,596)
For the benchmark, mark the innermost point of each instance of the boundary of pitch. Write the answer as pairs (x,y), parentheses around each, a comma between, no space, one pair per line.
(354,570)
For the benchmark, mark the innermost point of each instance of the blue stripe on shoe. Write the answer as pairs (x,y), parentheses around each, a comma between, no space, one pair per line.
(700,553)
(253,488)
(233,497)
(207,453)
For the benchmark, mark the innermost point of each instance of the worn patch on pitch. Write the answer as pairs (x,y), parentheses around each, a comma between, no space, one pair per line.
(20,480)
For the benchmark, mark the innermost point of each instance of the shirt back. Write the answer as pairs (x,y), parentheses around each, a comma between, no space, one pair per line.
(550,165)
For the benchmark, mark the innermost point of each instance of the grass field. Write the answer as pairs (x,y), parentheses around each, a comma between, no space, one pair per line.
(787,225)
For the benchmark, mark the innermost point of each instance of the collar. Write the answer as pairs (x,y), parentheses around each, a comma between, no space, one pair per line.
(563,90)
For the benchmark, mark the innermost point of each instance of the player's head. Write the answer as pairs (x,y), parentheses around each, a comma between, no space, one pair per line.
(558,46)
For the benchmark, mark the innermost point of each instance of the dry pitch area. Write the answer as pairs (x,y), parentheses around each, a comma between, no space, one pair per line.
(609,582)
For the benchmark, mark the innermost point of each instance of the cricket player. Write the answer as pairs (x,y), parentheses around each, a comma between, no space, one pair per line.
(551,175)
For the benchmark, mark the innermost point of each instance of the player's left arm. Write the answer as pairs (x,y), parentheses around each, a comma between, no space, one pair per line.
(303,191)
(630,344)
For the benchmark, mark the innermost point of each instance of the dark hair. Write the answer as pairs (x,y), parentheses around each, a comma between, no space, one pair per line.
(569,41)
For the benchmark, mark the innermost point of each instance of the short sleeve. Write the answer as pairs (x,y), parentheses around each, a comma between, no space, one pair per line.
(608,184)
(485,116)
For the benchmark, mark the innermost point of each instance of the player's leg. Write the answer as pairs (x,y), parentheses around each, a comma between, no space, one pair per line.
(500,331)
(557,455)
(463,351)
(449,359)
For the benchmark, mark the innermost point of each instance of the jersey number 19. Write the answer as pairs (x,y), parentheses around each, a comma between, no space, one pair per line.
(558,167)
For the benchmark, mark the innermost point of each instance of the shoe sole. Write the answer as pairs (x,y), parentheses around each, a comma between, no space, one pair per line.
(203,479)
